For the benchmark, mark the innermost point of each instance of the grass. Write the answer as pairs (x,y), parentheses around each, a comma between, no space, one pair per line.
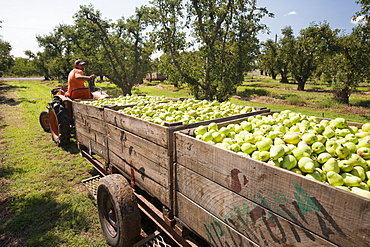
(42,182)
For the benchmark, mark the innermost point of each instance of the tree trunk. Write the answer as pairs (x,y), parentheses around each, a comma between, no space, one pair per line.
(284,79)
(342,95)
(301,84)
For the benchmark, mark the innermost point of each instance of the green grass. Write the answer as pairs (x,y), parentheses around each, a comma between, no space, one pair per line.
(46,203)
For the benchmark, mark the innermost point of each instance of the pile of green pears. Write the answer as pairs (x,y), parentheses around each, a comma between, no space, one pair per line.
(327,150)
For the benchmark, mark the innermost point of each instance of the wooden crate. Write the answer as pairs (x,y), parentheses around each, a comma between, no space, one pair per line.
(91,128)
(268,205)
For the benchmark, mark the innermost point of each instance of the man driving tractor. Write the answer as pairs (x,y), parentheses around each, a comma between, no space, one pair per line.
(76,81)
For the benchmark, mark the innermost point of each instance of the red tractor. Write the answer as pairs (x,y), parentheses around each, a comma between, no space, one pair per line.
(58,118)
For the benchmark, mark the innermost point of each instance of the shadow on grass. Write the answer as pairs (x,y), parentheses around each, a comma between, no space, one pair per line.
(248,92)
(363,103)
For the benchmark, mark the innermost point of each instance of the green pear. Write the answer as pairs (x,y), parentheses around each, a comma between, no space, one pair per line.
(338,123)
(289,162)
(274,162)
(351,138)
(366,127)
(334,178)
(264,155)
(319,128)
(201,130)
(278,141)
(325,122)
(314,175)
(306,165)
(309,138)
(343,187)
(296,170)
(248,147)
(318,147)
(276,152)
(345,165)
(351,180)
(235,147)
(212,126)
(304,146)
(364,152)
(361,192)
(328,132)
(351,147)
(363,143)
(359,172)
(342,151)
(264,144)
(322,139)
(331,165)
(367,173)
(256,155)
(322,174)
(364,186)
(323,157)
(246,125)
(292,138)
(357,160)
(299,153)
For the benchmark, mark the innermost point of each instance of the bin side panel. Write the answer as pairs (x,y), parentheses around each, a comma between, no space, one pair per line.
(150,131)
(334,214)
(141,180)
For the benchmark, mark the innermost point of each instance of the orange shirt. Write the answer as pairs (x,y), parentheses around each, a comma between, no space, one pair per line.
(74,83)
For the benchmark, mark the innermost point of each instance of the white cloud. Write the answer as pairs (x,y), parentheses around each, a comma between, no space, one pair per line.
(358,20)
(292,13)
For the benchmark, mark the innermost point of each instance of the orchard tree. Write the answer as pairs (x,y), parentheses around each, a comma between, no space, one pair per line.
(6,60)
(286,45)
(122,52)
(222,34)
(309,50)
(268,59)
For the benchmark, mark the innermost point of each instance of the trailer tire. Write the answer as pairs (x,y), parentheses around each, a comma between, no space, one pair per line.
(44,121)
(60,123)
(119,213)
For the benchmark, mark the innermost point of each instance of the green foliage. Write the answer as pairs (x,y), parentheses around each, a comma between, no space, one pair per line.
(223,47)
(6,60)
(22,67)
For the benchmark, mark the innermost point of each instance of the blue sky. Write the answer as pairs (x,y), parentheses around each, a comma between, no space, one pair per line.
(24,19)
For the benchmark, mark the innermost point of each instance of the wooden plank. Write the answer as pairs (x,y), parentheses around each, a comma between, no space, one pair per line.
(232,211)
(90,122)
(208,226)
(87,110)
(93,146)
(126,142)
(150,131)
(136,159)
(91,134)
(141,179)
(334,214)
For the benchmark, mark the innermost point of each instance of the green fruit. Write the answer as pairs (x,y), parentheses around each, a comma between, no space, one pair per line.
(343,187)
(212,126)
(342,151)
(357,160)
(351,180)
(366,127)
(264,144)
(314,175)
(345,165)
(309,138)
(306,165)
(296,170)
(248,148)
(364,152)
(323,157)
(334,178)
(235,147)
(264,156)
(292,138)
(338,123)
(200,130)
(276,152)
(274,163)
(299,153)
(318,147)
(331,165)
(359,172)
(363,143)
(289,162)
(361,192)
(304,146)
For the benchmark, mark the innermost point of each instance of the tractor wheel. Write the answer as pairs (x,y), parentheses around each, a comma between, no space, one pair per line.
(119,213)
(44,121)
(60,123)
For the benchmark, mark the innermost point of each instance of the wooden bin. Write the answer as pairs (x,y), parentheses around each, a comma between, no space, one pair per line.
(144,151)
(232,200)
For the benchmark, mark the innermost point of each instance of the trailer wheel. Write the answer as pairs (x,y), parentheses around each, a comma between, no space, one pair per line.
(44,121)
(60,124)
(119,213)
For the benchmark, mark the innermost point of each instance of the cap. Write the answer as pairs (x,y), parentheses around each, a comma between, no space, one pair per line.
(80,62)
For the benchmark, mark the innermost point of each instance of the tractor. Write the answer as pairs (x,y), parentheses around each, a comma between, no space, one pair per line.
(58,119)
